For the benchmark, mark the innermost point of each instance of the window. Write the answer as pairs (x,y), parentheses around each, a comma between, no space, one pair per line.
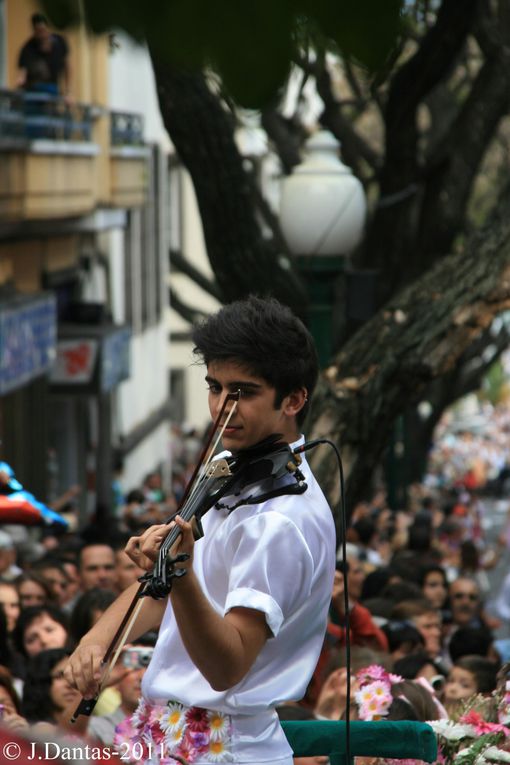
(146,248)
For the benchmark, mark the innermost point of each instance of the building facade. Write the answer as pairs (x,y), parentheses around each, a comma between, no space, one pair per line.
(83,262)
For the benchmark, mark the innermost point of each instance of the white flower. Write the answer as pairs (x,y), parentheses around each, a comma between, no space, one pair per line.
(140,713)
(494,754)
(172,719)
(452,731)
(218,752)
(219,726)
(379,688)
(173,737)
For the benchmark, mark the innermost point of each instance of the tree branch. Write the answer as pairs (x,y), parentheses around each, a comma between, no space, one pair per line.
(188,313)
(353,146)
(180,263)
(425,330)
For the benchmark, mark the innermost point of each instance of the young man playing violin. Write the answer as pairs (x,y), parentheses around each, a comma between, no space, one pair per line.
(241,632)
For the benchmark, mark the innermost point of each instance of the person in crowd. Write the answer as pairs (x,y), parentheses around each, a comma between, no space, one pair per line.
(434,584)
(33,590)
(73,582)
(404,639)
(126,570)
(9,602)
(133,663)
(54,574)
(10,660)
(468,676)
(9,569)
(49,700)
(465,604)
(331,702)
(10,704)
(39,628)
(396,592)
(139,512)
(89,607)
(502,600)
(253,604)
(97,567)
(427,621)
(43,62)
(420,665)
(474,563)
(364,535)
(467,641)
(364,631)
(153,489)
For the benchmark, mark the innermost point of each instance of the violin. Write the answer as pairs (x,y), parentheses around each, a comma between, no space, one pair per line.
(251,476)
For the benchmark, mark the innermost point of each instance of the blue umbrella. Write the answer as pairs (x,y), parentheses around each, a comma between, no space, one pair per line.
(21,507)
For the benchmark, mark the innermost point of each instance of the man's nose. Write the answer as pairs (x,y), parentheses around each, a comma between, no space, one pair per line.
(221,403)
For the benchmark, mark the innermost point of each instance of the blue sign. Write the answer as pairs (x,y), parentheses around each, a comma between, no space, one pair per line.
(115,359)
(28,337)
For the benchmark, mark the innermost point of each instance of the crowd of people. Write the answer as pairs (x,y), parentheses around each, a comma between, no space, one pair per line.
(410,596)
(417,591)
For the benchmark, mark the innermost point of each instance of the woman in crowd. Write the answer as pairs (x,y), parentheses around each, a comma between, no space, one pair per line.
(48,699)
(434,584)
(39,628)
(10,707)
(9,602)
(33,590)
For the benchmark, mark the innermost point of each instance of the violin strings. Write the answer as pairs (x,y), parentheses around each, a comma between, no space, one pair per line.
(210,455)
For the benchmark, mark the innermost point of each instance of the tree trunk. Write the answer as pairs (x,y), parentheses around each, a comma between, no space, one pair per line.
(418,337)
(203,134)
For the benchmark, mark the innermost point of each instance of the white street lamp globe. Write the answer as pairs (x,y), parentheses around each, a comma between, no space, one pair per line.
(323,206)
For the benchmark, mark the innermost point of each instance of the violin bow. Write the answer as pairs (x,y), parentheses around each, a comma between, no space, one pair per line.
(112,653)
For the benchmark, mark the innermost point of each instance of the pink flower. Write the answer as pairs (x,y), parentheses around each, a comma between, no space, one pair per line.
(481,726)
(197,719)
(187,751)
(373,672)
(156,733)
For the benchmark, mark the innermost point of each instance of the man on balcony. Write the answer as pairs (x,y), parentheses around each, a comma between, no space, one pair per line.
(44,60)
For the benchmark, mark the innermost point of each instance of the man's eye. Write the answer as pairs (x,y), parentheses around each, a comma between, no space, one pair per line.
(245,392)
(214,388)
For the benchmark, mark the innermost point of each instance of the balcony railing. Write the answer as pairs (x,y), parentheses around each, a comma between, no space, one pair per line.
(27,115)
(126,129)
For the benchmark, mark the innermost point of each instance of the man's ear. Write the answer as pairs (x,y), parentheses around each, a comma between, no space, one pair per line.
(294,402)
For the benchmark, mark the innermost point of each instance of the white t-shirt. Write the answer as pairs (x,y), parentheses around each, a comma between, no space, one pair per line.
(279,558)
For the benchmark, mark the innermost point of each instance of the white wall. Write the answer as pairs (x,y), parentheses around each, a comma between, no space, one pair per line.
(180,354)
(133,87)
(145,457)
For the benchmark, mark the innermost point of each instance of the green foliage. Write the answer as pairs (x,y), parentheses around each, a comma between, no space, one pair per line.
(494,382)
(251,45)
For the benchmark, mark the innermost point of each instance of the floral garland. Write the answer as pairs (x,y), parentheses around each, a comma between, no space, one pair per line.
(471,739)
(174,732)
(374,696)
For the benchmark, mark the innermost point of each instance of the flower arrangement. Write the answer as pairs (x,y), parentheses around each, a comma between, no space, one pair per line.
(374,696)
(174,733)
(479,735)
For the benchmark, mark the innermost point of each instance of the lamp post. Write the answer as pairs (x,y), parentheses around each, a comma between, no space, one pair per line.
(322,215)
